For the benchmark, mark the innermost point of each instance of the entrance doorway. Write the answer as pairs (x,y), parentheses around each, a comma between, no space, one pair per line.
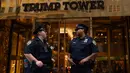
(111,44)
(60,33)
(109,35)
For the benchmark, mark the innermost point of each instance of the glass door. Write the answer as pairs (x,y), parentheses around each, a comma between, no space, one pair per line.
(101,37)
(111,43)
(128,34)
(60,34)
(118,51)
(67,33)
(18,41)
(56,37)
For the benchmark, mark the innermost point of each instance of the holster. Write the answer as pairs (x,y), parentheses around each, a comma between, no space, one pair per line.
(33,66)
(46,64)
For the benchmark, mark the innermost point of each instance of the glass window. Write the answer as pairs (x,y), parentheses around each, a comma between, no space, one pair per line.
(110,38)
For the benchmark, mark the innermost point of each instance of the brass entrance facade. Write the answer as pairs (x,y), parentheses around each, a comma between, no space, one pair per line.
(110,33)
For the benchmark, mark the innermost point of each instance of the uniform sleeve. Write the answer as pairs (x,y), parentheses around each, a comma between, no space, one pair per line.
(70,47)
(29,49)
(94,48)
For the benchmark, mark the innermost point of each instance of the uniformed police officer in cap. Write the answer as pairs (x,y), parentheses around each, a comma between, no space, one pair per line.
(83,51)
(39,53)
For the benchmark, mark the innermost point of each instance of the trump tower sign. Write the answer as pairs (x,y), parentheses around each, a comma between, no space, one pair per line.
(55,6)
(70,8)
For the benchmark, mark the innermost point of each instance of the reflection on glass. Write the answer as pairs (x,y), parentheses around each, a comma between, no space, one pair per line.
(101,38)
(117,45)
(14,44)
(12,69)
(52,34)
(17,53)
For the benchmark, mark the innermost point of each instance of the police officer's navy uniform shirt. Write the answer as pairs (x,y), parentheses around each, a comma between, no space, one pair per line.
(39,50)
(81,48)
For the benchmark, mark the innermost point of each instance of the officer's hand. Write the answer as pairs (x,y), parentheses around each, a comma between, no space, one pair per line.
(39,63)
(83,61)
(53,60)
(70,60)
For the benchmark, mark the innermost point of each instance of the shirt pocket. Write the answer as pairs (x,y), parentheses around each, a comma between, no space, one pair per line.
(74,45)
(84,47)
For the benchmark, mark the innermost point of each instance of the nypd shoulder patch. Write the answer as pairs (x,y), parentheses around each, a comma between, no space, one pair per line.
(94,42)
(29,42)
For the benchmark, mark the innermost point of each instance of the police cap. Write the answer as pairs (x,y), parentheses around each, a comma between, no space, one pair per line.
(39,28)
(81,26)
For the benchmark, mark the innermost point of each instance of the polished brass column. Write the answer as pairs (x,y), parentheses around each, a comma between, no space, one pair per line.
(17,47)
(10,46)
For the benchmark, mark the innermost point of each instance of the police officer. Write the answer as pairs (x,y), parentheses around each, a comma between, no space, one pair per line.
(39,52)
(82,51)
